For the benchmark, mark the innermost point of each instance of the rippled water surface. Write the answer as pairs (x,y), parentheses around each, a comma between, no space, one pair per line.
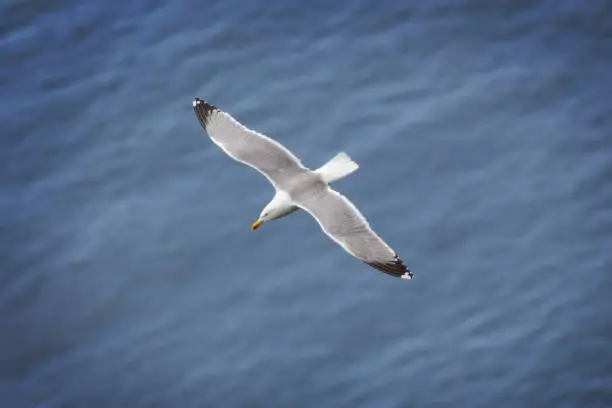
(129,276)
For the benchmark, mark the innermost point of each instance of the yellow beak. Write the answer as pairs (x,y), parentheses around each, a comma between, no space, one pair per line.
(256,224)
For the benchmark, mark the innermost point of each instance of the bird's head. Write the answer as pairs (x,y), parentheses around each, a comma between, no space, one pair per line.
(265,216)
(277,208)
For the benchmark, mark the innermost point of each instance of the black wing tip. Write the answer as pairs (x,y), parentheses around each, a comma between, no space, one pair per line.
(203,110)
(394,268)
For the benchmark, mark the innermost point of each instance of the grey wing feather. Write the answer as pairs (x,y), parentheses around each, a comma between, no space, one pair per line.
(343,222)
(254,149)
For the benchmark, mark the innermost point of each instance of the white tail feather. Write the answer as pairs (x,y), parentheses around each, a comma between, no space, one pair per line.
(339,166)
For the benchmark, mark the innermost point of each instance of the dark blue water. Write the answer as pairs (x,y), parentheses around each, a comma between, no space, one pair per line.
(129,276)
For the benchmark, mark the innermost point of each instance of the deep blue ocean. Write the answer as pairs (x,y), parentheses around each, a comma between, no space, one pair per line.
(129,276)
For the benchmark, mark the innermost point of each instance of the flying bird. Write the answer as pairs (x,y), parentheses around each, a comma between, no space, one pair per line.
(298,187)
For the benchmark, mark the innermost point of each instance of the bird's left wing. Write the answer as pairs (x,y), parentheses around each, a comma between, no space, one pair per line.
(343,222)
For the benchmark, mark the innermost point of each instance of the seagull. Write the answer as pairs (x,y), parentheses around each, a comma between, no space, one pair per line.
(298,187)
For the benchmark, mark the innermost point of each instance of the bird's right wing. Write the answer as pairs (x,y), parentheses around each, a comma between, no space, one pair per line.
(254,149)
(343,223)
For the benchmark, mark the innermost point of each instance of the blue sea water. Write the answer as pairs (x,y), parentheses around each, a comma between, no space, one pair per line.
(129,276)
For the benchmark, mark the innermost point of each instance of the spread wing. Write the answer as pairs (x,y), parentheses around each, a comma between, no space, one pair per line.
(343,222)
(262,153)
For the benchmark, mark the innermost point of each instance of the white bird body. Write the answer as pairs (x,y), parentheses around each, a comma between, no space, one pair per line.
(298,187)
